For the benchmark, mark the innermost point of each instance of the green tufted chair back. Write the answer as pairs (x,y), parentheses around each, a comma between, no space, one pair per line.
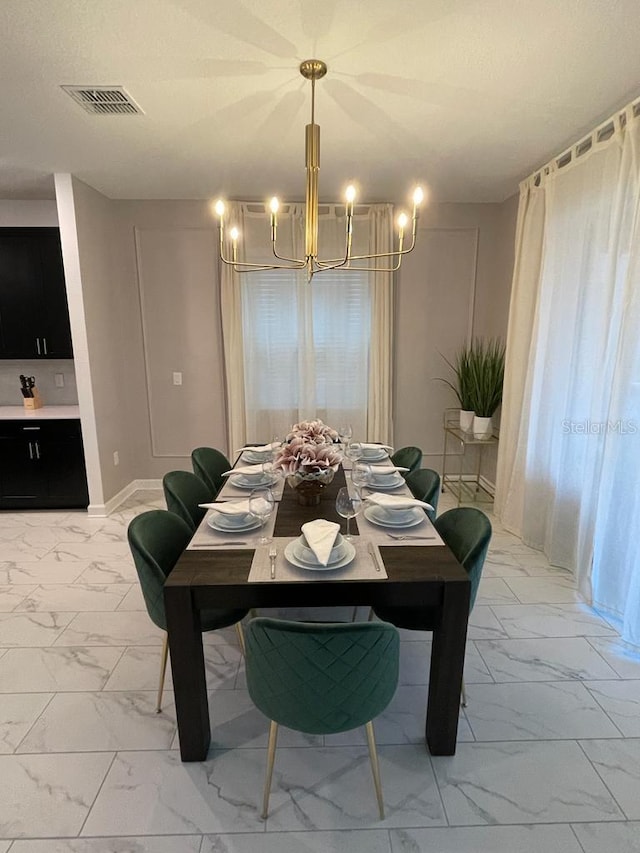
(425,486)
(183,491)
(407,457)
(321,678)
(467,531)
(156,538)
(210,464)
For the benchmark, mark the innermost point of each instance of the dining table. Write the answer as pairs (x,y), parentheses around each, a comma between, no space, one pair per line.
(218,573)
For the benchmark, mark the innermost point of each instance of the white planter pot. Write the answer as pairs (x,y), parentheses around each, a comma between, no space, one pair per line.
(482,427)
(466,420)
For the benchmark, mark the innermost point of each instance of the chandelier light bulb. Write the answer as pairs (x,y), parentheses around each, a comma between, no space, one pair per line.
(274,204)
(402,221)
(418,195)
(220,208)
(234,234)
(350,193)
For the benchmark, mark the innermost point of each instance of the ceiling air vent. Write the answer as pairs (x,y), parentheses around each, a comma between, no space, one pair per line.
(104,100)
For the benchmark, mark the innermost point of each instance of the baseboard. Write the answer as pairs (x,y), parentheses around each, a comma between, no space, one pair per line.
(101,510)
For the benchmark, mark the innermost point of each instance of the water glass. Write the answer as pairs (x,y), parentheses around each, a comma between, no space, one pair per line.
(360,476)
(353,451)
(348,506)
(261,504)
(345,433)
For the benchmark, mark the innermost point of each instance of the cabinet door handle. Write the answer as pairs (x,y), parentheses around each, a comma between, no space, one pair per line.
(30,451)
(26,428)
(38,346)
(37,450)
(44,343)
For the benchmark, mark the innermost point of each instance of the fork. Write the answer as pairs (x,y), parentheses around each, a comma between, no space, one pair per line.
(406,536)
(273,553)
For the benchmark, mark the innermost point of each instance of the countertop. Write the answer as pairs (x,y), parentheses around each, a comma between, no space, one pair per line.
(46,413)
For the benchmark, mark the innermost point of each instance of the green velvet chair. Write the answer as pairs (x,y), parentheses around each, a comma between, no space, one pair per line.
(424,485)
(183,492)
(210,464)
(407,457)
(321,678)
(157,539)
(467,532)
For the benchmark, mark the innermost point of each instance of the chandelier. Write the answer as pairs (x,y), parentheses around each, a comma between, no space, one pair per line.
(312,70)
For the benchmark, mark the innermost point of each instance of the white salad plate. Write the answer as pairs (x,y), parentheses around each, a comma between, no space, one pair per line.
(241,482)
(376,456)
(290,553)
(255,458)
(228,524)
(376,515)
(386,482)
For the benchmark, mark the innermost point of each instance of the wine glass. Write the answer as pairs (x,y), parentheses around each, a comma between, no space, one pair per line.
(360,476)
(348,506)
(261,504)
(345,433)
(353,451)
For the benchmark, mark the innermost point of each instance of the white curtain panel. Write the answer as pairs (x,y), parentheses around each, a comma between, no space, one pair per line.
(296,350)
(568,477)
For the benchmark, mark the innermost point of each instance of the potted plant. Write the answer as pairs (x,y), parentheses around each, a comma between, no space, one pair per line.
(486,367)
(463,385)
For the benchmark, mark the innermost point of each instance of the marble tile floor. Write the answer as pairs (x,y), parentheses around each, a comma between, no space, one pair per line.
(549,745)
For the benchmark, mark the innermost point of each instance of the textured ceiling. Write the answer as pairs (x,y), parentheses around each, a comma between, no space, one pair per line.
(468,96)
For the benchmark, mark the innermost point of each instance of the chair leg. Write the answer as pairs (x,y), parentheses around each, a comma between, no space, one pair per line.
(163,669)
(463,695)
(271,757)
(355,613)
(370,619)
(240,634)
(375,769)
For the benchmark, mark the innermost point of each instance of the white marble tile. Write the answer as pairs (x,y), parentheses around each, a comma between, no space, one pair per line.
(118,628)
(415,661)
(44,796)
(483,624)
(499,569)
(624,659)
(88,551)
(527,782)
(75,597)
(33,670)
(608,837)
(618,763)
(43,571)
(12,596)
(95,722)
(535,711)
(494,590)
(109,571)
(550,620)
(133,600)
(621,701)
(24,550)
(332,788)
(544,590)
(154,793)
(475,669)
(543,659)
(169,844)
(345,841)
(32,629)
(18,712)
(138,668)
(487,839)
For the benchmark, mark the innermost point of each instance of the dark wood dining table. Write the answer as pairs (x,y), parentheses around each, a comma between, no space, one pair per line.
(428,576)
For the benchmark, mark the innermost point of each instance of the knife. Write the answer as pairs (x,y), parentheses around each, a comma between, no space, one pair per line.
(374,556)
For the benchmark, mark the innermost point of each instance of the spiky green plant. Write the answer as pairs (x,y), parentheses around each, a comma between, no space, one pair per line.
(463,386)
(486,368)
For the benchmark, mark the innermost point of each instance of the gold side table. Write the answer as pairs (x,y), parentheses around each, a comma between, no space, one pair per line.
(466,486)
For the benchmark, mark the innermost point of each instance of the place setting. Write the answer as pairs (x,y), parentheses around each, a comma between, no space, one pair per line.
(244,478)
(397,519)
(243,523)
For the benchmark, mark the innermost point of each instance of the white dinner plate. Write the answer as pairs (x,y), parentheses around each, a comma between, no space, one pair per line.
(310,560)
(255,458)
(240,481)
(349,554)
(376,515)
(221,522)
(373,457)
(386,483)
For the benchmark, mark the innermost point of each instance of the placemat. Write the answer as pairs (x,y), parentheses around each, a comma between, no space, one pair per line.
(422,534)
(207,537)
(361,568)
(229,492)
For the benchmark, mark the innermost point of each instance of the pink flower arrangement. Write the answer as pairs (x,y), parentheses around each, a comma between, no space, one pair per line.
(314,432)
(304,455)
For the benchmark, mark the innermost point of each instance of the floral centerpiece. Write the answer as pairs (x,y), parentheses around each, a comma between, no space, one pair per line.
(308,459)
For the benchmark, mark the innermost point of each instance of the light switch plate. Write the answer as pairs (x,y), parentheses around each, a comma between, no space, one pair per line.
(59,380)
(177,378)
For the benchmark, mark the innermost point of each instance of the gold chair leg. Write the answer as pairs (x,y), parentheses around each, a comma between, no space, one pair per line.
(463,695)
(240,634)
(271,757)
(375,769)
(163,669)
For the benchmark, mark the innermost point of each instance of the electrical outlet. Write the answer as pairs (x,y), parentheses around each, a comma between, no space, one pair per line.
(177,378)
(59,380)
(116,457)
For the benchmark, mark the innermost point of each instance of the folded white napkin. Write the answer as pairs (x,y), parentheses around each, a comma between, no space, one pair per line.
(366,446)
(229,507)
(259,448)
(247,469)
(386,469)
(321,535)
(395,501)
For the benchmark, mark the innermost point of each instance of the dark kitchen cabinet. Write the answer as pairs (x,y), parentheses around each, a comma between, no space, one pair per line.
(42,465)
(34,315)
